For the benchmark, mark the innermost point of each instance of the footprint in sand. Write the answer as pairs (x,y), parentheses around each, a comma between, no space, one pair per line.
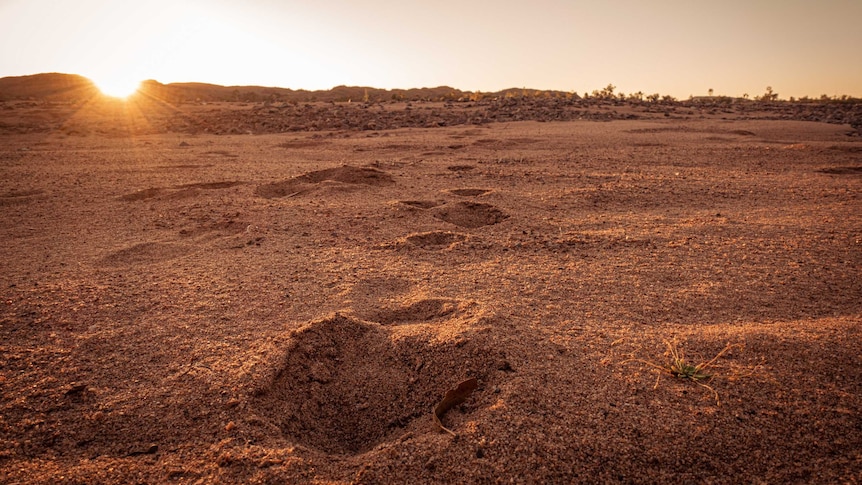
(435,239)
(461,168)
(426,310)
(19,197)
(421,204)
(227,226)
(842,170)
(470,214)
(344,386)
(468,192)
(177,191)
(145,253)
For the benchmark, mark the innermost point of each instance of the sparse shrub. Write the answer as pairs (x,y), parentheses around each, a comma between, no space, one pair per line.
(608,92)
(768,95)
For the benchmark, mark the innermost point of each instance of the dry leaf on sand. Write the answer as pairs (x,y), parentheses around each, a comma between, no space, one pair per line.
(453,398)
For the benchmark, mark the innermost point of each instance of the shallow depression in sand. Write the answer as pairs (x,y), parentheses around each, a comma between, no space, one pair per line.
(347,385)
(422,311)
(470,214)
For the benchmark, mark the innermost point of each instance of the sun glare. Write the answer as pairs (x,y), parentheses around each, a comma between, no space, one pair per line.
(118,88)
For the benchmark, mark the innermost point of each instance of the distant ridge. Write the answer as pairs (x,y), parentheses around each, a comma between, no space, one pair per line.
(180,92)
(72,87)
(50,87)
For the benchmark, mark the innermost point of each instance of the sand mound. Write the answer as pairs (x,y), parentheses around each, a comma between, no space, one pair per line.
(350,175)
(308,181)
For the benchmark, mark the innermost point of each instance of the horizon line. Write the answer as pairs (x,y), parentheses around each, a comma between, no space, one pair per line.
(586,93)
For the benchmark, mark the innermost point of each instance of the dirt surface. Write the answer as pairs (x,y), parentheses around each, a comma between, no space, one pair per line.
(283,308)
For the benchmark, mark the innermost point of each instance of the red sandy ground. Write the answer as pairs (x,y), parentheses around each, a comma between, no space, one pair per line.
(282,308)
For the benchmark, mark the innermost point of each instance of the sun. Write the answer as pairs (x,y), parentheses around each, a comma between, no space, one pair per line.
(118,87)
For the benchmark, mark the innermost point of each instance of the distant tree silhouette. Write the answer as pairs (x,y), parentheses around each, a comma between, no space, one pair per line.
(769,95)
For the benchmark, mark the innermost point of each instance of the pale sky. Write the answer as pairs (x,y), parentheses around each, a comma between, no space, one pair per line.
(677,47)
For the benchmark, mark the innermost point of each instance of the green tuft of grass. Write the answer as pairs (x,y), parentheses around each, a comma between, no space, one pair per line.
(678,366)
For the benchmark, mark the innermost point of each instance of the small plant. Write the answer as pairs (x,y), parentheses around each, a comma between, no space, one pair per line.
(681,368)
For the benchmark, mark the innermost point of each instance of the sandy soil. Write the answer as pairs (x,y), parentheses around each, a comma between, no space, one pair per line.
(198,308)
